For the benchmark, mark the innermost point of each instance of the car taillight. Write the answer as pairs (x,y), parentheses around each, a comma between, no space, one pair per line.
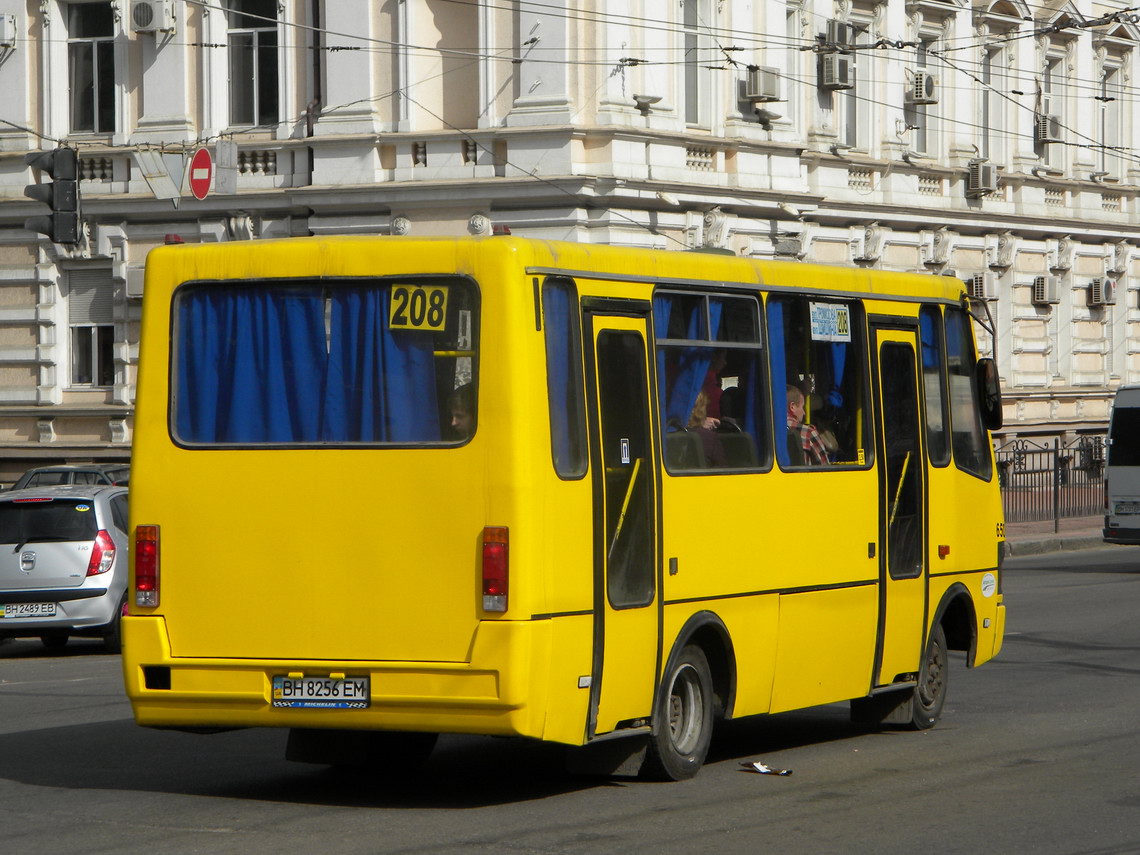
(495,569)
(146,565)
(102,554)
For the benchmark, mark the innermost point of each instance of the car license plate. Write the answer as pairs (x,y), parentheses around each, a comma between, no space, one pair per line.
(351,693)
(1128,507)
(19,610)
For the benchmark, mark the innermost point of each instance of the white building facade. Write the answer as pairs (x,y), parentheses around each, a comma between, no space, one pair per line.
(987,139)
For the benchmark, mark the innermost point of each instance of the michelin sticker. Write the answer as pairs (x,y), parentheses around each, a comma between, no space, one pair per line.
(989,585)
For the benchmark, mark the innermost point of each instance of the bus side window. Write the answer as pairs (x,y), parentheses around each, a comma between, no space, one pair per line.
(818,376)
(564,377)
(968,438)
(711,382)
(934,385)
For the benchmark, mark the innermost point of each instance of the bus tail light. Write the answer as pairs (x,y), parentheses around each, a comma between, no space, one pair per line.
(496,566)
(102,554)
(146,565)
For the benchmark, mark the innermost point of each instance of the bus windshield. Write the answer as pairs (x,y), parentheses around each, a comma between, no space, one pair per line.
(324,362)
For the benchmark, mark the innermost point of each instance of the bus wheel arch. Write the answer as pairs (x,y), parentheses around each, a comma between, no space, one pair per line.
(958,619)
(696,688)
(707,631)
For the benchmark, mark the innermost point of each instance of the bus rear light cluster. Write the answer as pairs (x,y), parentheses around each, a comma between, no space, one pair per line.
(146,565)
(496,567)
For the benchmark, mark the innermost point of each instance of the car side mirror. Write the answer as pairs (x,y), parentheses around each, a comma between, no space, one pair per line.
(989,391)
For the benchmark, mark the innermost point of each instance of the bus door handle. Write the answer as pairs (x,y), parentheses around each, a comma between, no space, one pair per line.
(871,549)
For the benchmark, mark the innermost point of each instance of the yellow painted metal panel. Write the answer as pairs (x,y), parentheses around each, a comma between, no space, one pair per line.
(826,648)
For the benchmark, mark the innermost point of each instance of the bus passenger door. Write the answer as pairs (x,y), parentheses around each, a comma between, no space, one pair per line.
(902,507)
(625,485)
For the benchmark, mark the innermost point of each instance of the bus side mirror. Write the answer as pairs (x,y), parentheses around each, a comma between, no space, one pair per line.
(989,390)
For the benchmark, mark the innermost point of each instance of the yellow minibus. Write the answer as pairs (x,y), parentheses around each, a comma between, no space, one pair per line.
(385,488)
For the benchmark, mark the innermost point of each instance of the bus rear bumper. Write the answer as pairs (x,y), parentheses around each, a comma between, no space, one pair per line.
(1117,534)
(439,697)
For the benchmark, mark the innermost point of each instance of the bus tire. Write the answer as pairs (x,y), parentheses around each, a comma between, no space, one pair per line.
(683,720)
(930,693)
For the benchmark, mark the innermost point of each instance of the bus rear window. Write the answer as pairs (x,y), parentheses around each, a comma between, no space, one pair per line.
(1124,448)
(305,362)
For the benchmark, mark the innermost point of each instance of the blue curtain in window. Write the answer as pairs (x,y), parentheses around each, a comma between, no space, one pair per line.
(930,355)
(838,365)
(692,367)
(662,310)
(564,371)
(250,365)
(381,383)
(779,380)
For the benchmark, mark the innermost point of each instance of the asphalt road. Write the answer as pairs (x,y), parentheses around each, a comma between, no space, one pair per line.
(1037,752)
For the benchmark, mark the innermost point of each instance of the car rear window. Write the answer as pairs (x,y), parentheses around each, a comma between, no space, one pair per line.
(47,479)
(46,520)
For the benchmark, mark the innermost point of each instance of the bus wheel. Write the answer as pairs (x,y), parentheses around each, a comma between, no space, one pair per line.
(930,693)
(682,723)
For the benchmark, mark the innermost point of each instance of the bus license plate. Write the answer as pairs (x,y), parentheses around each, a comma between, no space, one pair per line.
(18,610)
(1128,507)
(351,693)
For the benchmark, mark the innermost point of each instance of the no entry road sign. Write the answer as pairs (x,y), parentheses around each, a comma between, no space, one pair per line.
(201,173)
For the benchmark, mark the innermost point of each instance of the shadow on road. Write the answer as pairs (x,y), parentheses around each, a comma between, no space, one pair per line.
(464,771)
(31,648)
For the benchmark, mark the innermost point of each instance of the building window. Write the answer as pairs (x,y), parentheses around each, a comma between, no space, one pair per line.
(1053,104)
(857,101)
(923,116)
(253,62)
(1108,106)
(92,355)
(699,56)
(91,317)
(91,67)
(993,100)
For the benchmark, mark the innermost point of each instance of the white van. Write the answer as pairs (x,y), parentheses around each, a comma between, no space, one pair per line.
(1122,477)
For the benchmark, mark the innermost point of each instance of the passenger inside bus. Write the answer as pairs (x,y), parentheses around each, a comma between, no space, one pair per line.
(705,427)
(805,446)
(461,406)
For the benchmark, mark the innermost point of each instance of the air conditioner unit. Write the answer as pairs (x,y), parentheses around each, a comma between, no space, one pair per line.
(981,286)
(136,276)
(1045,290)
(923,89)
(982,180)
(8,31)
(839,33)
(836,71)
(1048,128)
(762,84)
(1102,292)
(151,16)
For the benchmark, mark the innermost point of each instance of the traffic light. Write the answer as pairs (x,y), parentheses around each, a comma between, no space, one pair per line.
(61,194)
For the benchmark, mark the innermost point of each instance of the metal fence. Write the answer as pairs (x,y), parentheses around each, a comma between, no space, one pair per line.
(1051,480)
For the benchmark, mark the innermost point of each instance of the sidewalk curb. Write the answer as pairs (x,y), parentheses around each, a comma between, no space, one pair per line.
(1056,543)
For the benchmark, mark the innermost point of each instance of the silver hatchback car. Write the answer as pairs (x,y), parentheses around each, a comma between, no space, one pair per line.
(63,563)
